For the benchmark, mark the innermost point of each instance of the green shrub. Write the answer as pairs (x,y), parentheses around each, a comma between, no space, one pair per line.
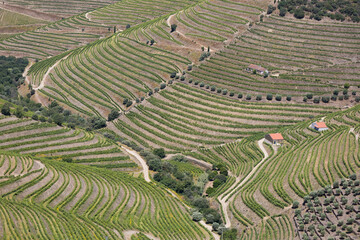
(129,103)
(269,97)
(270,9)
(114,114)
(325,99)
(162,86)
(299,13)
(19,112)
(278,98)
(173,75)
(197,216)
(295,204)
(160,152)
(173,27)
(5,109)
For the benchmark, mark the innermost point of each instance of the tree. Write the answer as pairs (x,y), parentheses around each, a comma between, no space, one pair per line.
(129,103)
(215,226)
(58,119)
(212,175)
(128,26)
(201,203)
(114,114)
(160,152)
(282,12)
(19,112)
(197,216)
(346,85)
(217,183)
(299,13)
(295,204)
(96,123)
(6,109)
(230,234)
(152,41)
(269,97)
(162,86)
(270,9)
(325,99)
(173,27)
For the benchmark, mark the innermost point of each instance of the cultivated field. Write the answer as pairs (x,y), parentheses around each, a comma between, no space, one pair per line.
(176,73)
(60,200)
(28,137)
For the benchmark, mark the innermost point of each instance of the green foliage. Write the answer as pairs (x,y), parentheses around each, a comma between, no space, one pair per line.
(114,114)
(173,27)
(5,109)
(299,13)
(96,123)
(19,113)
(197,216)
(160,152)
(230,234)
(318,9)
(270,9)
(11,78)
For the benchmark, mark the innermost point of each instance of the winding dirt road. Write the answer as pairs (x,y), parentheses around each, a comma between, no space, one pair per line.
(141,160)
(42,83)
(224,198)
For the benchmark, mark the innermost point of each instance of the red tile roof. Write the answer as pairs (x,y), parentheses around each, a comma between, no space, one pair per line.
(256,67)
(276,136)
(320,125)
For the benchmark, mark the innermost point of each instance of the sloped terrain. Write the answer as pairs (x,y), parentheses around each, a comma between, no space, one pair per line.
(176,73)
(64,200)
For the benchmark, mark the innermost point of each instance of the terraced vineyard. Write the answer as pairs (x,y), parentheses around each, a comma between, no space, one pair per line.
(175,73)
(63,200)
(307,162)
(64,8)
(28,137)
(185,118)
(307,61)
(112,71)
